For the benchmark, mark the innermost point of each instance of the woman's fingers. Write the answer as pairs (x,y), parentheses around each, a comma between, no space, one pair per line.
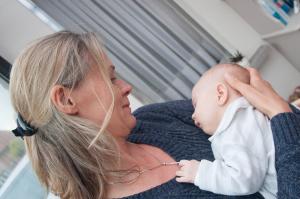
(253,95)
(245,89)
(254,74)
(259,93)
(255,78)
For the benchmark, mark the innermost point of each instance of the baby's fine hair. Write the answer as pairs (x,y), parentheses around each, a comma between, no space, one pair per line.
(232,69)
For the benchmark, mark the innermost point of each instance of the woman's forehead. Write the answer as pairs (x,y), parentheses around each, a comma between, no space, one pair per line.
(102,61)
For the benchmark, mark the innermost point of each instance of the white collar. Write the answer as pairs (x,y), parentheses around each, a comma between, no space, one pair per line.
(229,114)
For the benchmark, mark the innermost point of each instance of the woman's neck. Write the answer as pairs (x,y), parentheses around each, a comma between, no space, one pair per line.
(151,171)
(130,154)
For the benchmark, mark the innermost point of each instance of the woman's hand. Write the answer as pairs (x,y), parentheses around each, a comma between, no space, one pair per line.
(260,94)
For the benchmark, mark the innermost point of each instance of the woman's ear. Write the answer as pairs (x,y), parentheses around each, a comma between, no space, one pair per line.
(62,99)
(222,94)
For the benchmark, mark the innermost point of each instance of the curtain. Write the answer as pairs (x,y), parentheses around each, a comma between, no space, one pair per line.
(156,47)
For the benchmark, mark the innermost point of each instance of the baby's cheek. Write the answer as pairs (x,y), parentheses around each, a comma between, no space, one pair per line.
(205,124)
(213,126)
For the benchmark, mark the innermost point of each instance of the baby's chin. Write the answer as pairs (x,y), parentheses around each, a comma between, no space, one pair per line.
(207,130)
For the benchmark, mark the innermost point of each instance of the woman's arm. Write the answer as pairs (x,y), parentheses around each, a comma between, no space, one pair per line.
(286,134)
(285,127)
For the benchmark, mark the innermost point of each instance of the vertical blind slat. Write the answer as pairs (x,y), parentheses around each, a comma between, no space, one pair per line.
(155,45)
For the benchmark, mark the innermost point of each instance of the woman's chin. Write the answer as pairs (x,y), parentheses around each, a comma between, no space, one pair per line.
(130,120)
(133,121)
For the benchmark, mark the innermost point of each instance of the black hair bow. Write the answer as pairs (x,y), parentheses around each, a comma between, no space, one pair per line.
(23,129)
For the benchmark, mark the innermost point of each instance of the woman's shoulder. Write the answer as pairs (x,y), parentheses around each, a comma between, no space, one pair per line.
(169,126)
(164,118)
(171,110)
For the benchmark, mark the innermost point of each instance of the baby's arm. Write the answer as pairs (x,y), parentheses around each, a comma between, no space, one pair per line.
(241,166)
(240,176)
(240,173)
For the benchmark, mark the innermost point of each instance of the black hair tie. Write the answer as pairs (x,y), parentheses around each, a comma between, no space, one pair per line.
(23,128)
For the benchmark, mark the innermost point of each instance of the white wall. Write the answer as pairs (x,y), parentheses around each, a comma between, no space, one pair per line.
(18,27)
(234,33)
(224,24)
(283,76)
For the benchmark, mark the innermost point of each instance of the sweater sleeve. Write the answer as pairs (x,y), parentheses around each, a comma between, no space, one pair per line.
(286,133)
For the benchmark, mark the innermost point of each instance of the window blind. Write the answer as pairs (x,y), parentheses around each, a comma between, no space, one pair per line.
(155,45)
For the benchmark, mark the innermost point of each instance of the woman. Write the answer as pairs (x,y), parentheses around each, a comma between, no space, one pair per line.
(79,132)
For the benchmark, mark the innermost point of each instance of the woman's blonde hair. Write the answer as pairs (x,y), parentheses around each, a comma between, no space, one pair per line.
(295,95)
(61,152)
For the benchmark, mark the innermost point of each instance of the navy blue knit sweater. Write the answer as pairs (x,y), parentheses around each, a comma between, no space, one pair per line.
(169,127)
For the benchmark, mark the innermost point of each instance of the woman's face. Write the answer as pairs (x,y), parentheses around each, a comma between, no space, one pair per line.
(93,99)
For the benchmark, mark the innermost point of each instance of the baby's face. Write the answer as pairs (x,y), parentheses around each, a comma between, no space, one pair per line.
(206,111)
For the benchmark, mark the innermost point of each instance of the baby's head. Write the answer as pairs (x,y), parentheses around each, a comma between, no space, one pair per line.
(211,95)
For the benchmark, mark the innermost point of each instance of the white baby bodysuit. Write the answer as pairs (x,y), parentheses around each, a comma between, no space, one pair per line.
(244,153)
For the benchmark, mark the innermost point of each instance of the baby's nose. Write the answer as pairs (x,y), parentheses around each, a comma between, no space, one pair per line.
(193,116)
(197,123)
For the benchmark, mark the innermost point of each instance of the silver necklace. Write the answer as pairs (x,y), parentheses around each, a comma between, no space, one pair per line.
(135,172)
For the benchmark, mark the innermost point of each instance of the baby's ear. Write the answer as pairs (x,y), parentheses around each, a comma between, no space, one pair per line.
(222,94)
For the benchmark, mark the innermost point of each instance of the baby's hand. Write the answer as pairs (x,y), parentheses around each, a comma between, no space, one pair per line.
(188,171)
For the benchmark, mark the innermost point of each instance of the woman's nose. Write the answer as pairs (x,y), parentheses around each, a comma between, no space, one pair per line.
(125,88)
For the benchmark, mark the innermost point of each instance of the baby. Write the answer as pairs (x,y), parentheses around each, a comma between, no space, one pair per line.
(241,139)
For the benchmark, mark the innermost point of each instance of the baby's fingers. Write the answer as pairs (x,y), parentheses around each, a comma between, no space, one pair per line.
(180,173)
(183,162)
(182,179)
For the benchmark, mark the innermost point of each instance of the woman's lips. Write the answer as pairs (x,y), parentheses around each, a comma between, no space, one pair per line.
(127,106)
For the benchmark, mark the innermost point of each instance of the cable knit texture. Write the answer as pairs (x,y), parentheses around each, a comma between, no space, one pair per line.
(286,133)
(169,126)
